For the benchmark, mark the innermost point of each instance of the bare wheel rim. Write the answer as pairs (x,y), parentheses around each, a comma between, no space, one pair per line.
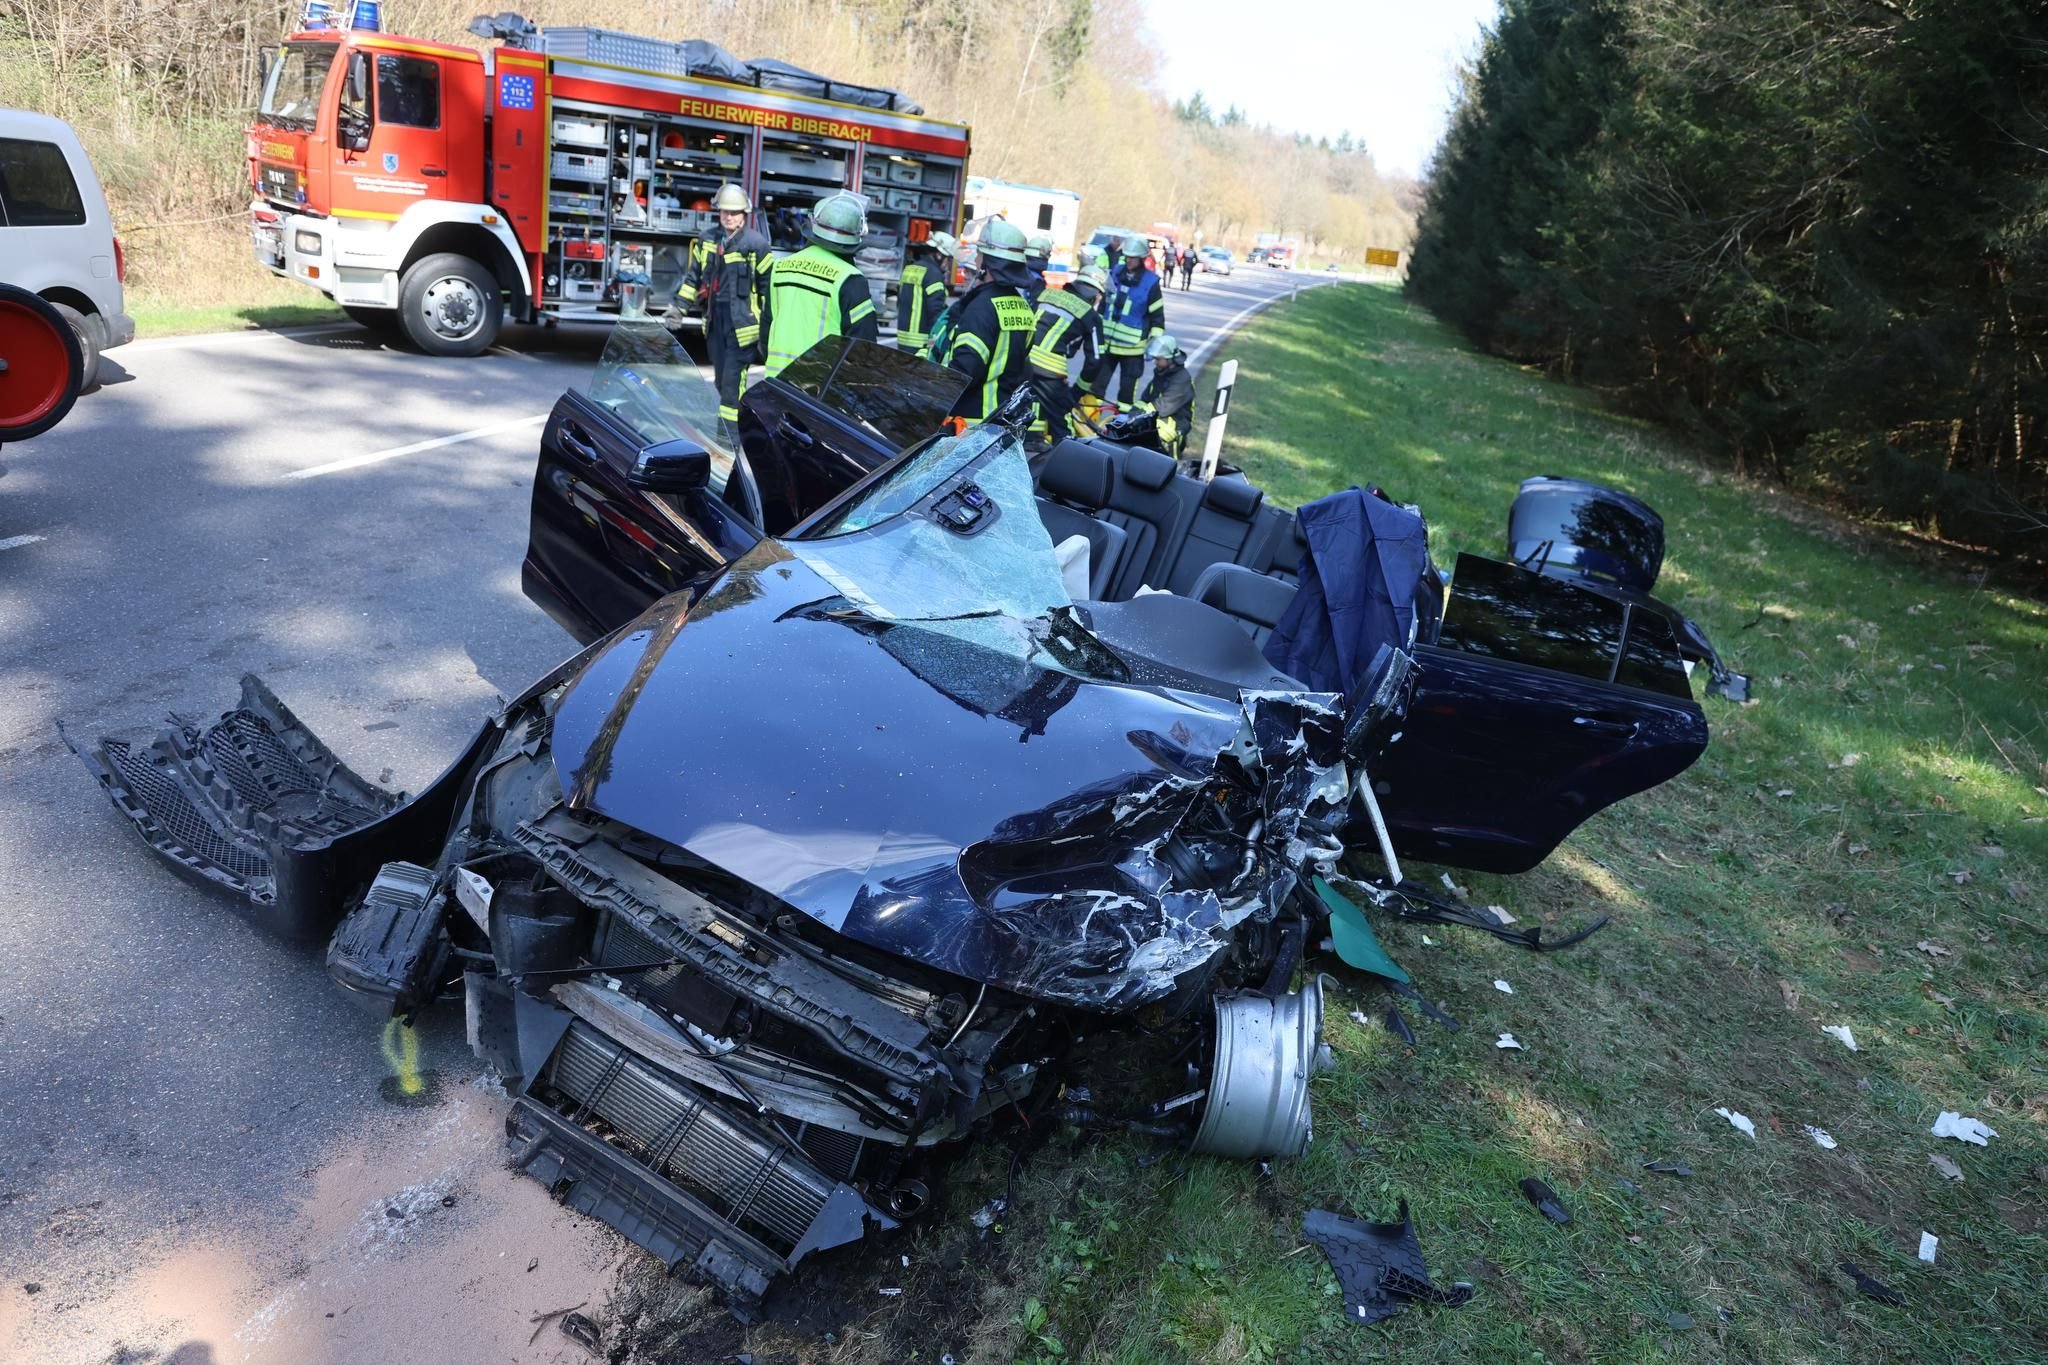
(454,308)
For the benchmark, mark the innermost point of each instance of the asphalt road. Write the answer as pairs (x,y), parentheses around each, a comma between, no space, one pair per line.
(206,1151)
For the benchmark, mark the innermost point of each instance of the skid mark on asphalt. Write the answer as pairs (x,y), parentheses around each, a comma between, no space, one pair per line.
(16,542)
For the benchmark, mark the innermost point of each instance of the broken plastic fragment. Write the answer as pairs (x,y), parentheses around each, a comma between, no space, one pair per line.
(1456,890)
(1683,1172)
(1841,1031)
(1741,1121)
(1500,913)
(1546,1201)
(1872,1287)
(1428,942)
(1928,1244)
(1356,944)
(985,1216)
(1963,1130)
(1945,1166)
(1820,1137)
(1507,1040)
(1358,1016)
(1503,987)
(1379,1266)
(889,1293)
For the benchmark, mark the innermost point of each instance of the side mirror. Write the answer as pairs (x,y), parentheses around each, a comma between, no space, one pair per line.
(677,466)
(1381,704)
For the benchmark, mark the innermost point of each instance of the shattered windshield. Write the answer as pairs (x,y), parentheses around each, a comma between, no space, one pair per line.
(651,384)
(949,539)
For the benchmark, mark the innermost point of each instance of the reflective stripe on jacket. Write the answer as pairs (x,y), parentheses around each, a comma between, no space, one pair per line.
(1066,324)
(812,295)
(728,283)
(991,346)
(1133,313)
(922,295)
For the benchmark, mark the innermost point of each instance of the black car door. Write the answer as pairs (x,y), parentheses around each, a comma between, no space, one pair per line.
(600,547)
(1539,704)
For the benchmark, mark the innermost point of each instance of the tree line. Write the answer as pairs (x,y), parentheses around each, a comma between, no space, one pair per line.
(1812,232)
(1058,92)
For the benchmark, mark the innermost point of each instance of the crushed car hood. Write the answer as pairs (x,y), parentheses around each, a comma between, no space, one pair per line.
(920,794)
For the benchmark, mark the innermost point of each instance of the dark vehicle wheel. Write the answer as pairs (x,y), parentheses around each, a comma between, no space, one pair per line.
(450,305)
(383,321)
(42,371)
(88,343)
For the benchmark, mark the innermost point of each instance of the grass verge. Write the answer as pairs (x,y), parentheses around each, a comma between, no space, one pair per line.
(160,319)
(1864,846)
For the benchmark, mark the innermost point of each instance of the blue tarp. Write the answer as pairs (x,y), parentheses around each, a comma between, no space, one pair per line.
(1362,583)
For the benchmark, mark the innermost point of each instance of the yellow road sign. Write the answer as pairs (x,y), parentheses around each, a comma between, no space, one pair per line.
(1379,255)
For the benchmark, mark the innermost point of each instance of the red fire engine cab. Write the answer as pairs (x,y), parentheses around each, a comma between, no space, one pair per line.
(440,190)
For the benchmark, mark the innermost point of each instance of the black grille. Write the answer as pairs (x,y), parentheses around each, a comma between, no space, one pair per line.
(679,991)
(180,820)
(248,755)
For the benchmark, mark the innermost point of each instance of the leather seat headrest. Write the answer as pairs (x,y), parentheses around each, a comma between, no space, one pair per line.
(1235,497)
(1148,469)
(1077,473)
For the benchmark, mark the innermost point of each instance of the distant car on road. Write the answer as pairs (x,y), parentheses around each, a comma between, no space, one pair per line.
(1215,260)
(1330,269)
(56,236)
(1258,256)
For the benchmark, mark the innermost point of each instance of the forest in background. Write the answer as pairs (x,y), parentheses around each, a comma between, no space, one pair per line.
(1058,92)
(1812,232)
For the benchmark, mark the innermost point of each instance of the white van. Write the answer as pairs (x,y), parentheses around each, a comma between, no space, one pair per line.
(56,237)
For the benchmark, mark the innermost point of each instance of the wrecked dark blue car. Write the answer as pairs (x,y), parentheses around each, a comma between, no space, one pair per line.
(896,764)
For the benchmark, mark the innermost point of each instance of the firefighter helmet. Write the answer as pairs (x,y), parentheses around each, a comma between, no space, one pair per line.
(1137,246)
(1161,346)
(839,220)
(731,199)
(1003,240)
(944,243)
(1095,275)
(1038,250)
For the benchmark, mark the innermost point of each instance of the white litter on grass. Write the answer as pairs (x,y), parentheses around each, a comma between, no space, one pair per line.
(1503,987)
(1820,1137)
(1741,1122)
(1507,1040)
(1428,942)
(1928,1242)
(1452,887)
(1945,1166)
(1358,1016)
(889,1293)
(1962,1129)
(1500,914)
(1841,1031)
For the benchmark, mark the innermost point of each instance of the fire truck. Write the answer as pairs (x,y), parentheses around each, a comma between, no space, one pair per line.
(441,191)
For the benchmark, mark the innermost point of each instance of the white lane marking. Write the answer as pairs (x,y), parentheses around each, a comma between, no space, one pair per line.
(16,542)
(1222,334)
(379,456)
(220,338)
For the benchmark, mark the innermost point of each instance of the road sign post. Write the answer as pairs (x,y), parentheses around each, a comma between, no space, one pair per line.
(1219,416)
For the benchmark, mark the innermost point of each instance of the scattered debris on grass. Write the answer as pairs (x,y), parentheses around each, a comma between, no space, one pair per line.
(1841,1031)
(1456,890)
(1379,1266)
(1507,1041)
(1954,1125)
(1679,1169)
(1741,1121)
(1945,1166)
(1678,1322)
(1398,1026)
(1546,1201)
(1500,913)
(1928,1244)
(1503,987)
(1820,1137)
(1933,949)
(1872,1287)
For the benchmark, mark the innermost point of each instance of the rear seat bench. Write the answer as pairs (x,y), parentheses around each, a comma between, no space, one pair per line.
(1149,525)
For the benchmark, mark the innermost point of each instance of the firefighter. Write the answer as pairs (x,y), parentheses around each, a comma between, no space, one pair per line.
(724,278)
(1038,259)
(1067,326)
(989,337)
(819,292)
(1173,393)
(922,294)
(1132,314)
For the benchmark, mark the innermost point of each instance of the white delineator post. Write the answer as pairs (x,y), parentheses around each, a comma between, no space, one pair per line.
(1212,444)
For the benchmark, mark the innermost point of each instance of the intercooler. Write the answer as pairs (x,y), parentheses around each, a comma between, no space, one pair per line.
(672,1168)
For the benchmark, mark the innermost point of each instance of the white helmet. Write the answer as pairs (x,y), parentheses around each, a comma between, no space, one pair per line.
(731,199)
(944,243)
(1162,345)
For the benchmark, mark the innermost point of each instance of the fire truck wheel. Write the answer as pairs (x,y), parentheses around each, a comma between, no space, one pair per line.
(450,305)
(88,344)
